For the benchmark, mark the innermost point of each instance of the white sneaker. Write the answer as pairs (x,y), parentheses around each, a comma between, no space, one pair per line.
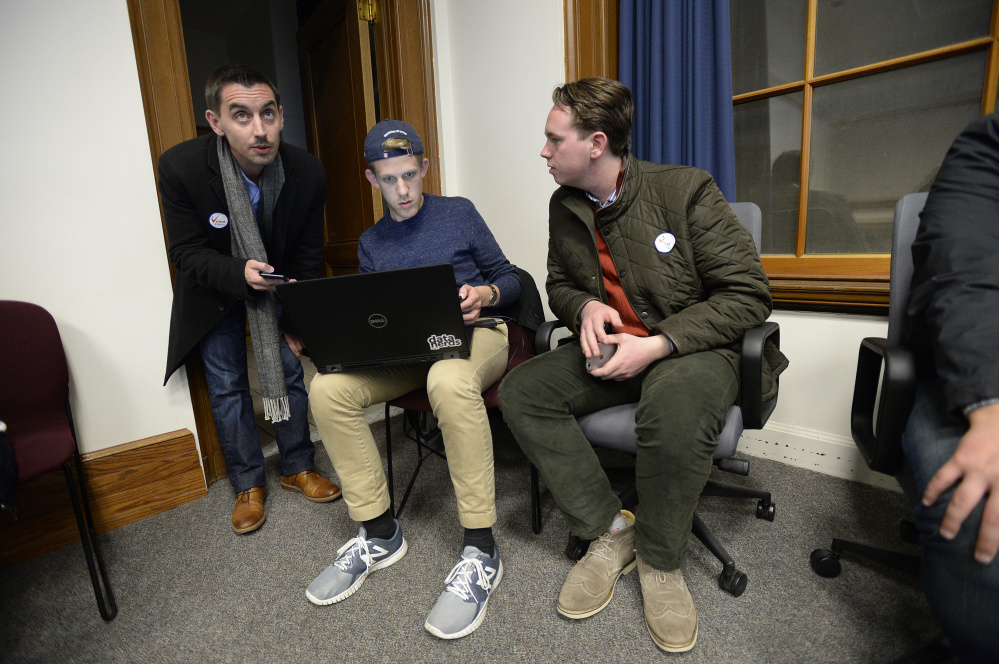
(461,608)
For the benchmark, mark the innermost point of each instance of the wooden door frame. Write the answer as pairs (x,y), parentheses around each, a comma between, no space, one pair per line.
(591,44)
(406,84)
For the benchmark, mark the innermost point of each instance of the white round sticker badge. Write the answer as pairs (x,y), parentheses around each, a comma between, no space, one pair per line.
(219,220)
(665,242)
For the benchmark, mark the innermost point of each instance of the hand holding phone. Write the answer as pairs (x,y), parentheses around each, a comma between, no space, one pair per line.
(606,352)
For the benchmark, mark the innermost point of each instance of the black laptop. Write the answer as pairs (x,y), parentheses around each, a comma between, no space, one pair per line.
(360,321)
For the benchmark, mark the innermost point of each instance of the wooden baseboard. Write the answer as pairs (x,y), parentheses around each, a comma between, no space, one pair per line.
(125,484)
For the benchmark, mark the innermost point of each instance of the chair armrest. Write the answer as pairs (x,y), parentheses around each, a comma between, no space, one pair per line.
(880,440)
(543,338)
(754,412)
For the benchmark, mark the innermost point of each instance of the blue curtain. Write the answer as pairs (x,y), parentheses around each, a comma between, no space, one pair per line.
(675,55)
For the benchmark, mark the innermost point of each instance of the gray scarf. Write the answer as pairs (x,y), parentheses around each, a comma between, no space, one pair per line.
(246,243)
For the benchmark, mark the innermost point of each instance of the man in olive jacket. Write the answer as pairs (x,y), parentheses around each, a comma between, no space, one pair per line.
(651,261)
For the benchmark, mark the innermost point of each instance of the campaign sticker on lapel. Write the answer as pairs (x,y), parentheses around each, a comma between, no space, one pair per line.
(665,242)
(219,220)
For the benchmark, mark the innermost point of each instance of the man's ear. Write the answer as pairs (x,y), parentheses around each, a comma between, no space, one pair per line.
(372,179)
(213,122)
(424,167)
(600,141)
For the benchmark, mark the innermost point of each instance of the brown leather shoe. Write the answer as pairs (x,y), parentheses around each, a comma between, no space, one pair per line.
(248,515)
(315,487)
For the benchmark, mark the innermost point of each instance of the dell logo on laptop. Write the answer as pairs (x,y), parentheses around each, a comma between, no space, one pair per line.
(377,320)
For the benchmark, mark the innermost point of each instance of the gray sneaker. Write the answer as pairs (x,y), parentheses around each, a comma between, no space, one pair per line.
(461,608)
(354,561)
(589,586)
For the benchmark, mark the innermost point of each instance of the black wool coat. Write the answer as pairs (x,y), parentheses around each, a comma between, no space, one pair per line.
(209,279)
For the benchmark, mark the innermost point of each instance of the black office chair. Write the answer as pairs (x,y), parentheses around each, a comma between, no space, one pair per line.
(614,428)
(880,438)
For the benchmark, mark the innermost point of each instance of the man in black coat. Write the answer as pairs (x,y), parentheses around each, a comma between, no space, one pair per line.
(241,208)
(952,439)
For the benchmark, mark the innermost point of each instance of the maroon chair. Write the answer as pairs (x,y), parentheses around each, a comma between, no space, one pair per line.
(34,403)
(416,404)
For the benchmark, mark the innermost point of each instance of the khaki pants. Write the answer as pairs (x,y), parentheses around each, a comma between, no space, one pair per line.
(455,388)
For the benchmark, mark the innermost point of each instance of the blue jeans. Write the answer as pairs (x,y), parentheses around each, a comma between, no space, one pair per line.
(963,593)
(223,351)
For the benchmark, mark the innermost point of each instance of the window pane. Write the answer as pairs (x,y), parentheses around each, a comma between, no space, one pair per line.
(766,132)
(852,34)
(768,43)
(877,138)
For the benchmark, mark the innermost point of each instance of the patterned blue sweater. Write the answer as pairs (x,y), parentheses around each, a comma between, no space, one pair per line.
(447,229)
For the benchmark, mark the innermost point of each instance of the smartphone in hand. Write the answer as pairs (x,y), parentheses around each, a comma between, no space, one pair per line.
(606,352)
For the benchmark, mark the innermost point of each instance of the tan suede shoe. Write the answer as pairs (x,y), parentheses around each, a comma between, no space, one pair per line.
(315,487)
(590,584)
(670,614)
(248,514)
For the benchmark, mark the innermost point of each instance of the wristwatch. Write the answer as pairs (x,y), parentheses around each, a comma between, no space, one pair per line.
(494,300)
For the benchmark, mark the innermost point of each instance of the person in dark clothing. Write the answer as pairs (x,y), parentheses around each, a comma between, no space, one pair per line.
(238,205)
(951,441)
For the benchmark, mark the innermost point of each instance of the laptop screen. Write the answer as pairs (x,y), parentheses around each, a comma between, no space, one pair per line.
(374,319)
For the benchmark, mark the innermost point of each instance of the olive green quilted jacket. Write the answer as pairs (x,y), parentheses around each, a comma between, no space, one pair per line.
(687,265)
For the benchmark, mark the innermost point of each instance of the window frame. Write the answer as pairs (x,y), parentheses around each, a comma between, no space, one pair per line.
(849,282)
(855,283)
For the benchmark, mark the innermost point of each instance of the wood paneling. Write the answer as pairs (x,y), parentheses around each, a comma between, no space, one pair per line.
(591,43)
(868,297)
(334,54)
(125,484)
(405,57)
(158,38)
(338,84)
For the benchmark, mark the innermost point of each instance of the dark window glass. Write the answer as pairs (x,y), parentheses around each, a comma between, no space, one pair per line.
(768,46)
(851,34)
(877,138)
(766,132)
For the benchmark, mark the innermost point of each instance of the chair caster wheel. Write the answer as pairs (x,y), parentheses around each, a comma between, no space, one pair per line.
(734,582)
(825,563)
(765,509)
(576,548)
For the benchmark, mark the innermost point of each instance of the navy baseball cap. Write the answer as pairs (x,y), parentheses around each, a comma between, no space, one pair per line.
(385,130)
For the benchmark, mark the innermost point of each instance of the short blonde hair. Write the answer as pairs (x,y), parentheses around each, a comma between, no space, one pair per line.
(394,144)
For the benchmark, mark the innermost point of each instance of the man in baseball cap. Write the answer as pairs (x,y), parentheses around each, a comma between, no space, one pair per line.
(422,229)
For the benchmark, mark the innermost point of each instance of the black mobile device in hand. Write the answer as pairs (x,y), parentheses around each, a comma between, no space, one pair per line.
(275,277)
(606,352)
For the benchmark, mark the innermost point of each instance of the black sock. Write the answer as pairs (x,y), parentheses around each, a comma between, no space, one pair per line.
(481,539)
(382,526)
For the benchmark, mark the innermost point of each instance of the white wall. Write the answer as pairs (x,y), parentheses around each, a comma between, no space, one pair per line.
(811,426)
(496,65)
(80,230)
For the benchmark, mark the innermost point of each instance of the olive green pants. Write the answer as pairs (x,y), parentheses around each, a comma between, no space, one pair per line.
(681,412)
(455,389)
